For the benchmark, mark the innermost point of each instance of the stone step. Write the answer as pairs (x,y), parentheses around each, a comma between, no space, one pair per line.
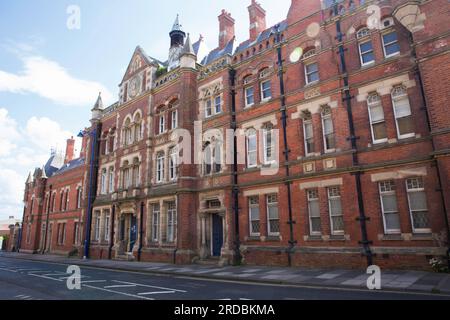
(208,262)
(125,257)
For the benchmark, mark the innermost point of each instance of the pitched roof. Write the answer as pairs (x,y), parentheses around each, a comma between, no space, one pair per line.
(217,53)
(70,166)
(263,36)
(54,163)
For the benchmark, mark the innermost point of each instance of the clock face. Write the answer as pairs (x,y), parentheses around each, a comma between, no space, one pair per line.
(135,87)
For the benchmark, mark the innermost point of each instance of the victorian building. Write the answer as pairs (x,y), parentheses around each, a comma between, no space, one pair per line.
(321,141)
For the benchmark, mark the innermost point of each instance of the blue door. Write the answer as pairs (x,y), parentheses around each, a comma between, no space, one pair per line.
(217,236)
(133,232)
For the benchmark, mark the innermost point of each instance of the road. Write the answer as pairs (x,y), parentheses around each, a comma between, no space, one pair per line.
(32,280)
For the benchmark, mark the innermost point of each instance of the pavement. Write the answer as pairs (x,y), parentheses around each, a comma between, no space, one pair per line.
(391,280)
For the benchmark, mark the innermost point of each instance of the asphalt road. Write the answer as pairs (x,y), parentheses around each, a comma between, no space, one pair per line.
(32,280)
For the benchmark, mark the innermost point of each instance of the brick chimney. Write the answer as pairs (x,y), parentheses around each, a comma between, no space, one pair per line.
(257,19)
(226,25)
(70,150)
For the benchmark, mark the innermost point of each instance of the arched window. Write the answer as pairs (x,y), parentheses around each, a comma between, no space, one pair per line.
(103,182)
(160,174)
(217,157)
(402,112)
(111,180)
(249,92)
(252,148)
(365,47)
(376,117)
(137,127)
(329,140)
(112,140)
(127,132)
(207,159)
(265,85)
(269,144)
(173,163)
(136,172)
(126,176)
(308,133)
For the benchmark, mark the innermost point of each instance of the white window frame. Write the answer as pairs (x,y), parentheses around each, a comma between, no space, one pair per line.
(250,217)
(264,99)
(324,117)
(305,123)
(390,43)
(247,104)
(217,104)
(363,64)
(371,105)
(331,214)
(419,189)
(79,197)
(310,200)
(174,119)
(97,226)
(107,227)
(383,210)
(171,224)
(173,164)
(111,180)
(103,182)
(274,204)
(309,73)
(272,147)
(156,215)
(394,99)
(252,134)
(160,162)
(162,124)
(208,108)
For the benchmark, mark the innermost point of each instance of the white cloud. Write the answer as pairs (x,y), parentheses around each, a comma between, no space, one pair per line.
(48,79)
(8,133)
(21,150)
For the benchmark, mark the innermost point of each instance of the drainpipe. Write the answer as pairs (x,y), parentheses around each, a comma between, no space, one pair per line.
(347,99)
(287,151)
(235,190)
(427,117)
(50,201)
(141,231)
(111,240)
(93,168)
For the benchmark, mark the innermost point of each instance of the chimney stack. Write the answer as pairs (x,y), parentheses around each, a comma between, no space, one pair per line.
(226,25)
(257,19)
(70,150)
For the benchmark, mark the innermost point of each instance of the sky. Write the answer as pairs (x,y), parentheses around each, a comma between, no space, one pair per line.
(52,66)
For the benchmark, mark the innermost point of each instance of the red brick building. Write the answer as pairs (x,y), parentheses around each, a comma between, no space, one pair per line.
(321,141)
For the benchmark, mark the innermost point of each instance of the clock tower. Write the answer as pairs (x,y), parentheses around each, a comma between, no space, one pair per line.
(177,36)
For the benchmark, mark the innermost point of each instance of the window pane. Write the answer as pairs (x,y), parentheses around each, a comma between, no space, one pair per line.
(274,226)
(316,225)
(376,113)
(402,107)
(420,220)
(418,201)
(254,213)
(379,131)
(392,221)
(308,130)
(314,209)
(310,68)
(335,207)
(328,126)
(389,203)
(392,49)
(273,212)
(390,37)
(405,125)
(367,57)
(338,224)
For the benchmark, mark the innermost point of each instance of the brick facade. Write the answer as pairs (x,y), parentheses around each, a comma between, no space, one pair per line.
(349,166)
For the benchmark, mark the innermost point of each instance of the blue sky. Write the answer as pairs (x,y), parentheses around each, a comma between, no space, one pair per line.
(50,75)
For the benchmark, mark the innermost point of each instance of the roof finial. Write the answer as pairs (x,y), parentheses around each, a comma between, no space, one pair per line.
(188,48)
(99,103)
(176,25)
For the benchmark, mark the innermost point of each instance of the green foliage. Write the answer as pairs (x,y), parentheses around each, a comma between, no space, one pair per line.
(161,71)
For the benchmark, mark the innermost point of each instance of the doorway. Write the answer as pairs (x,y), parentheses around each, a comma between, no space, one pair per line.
(217,235)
